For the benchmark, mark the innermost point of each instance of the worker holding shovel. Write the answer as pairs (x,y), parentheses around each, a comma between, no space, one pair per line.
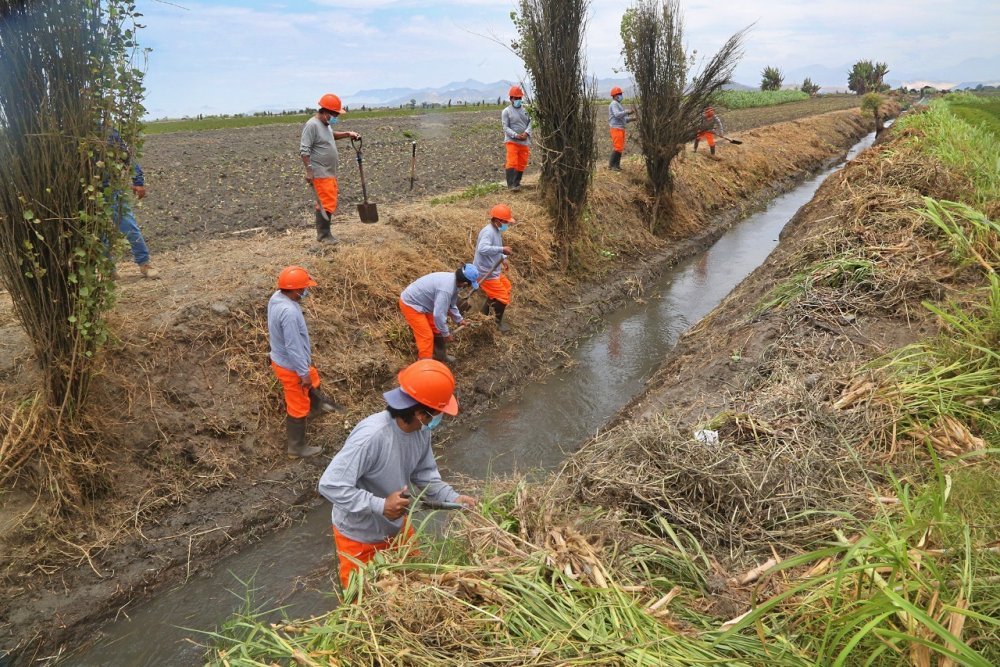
(426,304)
(491,259)
(291,358)
(711,125)
(318,149)
(386,460)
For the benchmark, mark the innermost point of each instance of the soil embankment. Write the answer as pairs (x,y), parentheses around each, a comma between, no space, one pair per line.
(191,412)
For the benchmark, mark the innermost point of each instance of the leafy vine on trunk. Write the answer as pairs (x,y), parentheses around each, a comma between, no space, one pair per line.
(70,92)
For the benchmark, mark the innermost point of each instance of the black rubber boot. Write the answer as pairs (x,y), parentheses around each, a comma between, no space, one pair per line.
(323,234)
(296,430)
(517,179)
(485,310)
(695,145)
(441,350)
(510,178)
(712,150)
(616,161)
(320,403)
(499,309)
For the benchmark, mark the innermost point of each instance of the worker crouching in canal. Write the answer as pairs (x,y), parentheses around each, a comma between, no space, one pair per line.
(385,460)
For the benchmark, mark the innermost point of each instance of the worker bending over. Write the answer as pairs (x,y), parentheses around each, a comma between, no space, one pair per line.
(426,304)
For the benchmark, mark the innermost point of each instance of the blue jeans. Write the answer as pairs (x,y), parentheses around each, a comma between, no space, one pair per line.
(128,227)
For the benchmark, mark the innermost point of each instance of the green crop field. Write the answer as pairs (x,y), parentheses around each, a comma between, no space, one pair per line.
(983,111)
(749,99)
(224,122)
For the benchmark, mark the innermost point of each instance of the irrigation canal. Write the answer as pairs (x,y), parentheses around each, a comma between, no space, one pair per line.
(290,568)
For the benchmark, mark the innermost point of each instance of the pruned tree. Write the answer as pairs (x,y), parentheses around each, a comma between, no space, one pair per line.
(70,91)
(771,78)
(808,87)
(670,110)
(551,45)
(867,77)
(871,104)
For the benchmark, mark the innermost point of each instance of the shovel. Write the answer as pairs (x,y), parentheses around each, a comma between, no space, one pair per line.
(367,211)
(736,142)
(413,166)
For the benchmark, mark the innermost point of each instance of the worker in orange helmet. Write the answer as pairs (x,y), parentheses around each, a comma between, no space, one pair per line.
(491,259)
(291,358)
(385,461)
(517,137)
(711,125)
(318,149)
(428,301)
(617,118)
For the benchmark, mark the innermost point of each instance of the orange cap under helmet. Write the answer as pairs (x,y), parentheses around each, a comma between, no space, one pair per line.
(295,277)
(330,102)
(617,91)
(502,212)
(515,91)
(430,383)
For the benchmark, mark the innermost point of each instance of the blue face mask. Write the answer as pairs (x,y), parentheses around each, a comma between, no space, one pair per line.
(618,98)
(333,119)
(433,423)
(516,104)
(504,227)
(305,293)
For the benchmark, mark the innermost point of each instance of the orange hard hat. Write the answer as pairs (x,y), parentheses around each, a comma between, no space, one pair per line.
(502,212)
(330,102)
(430,383)
(515,91)
(617,91)
(295,277)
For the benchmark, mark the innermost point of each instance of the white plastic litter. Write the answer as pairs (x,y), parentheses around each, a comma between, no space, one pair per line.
(706,436)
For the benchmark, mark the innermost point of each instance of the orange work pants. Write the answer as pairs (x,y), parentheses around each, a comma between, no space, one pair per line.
(423,328)
(348,549)
(497,288)
(707,137)
(517,156)
(327,190)
(618,139)
(296,396)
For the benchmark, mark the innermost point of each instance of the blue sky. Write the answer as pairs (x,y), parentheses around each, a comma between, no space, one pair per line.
(226,56)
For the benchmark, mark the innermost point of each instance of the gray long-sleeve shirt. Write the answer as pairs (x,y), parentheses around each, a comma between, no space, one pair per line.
(318,143)
(377,459)
(713,125)
(617,116)
(435,293)
(515,121)
(489,248)
(288,335)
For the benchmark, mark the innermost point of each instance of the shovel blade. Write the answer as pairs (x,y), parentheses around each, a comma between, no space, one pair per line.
(368,212)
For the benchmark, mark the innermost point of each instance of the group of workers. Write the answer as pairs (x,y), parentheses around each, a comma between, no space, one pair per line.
(387,462)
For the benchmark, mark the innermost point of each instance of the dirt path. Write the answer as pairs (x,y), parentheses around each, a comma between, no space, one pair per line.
(190,408)
(213,183)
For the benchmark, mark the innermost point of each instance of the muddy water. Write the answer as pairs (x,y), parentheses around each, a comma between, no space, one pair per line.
(534,431)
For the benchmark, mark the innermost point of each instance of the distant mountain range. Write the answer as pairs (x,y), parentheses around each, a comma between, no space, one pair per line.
(468,92)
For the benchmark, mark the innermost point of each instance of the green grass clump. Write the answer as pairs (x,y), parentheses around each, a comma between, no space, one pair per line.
(970,150)
(833,272)
(472,192)
(749,99)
